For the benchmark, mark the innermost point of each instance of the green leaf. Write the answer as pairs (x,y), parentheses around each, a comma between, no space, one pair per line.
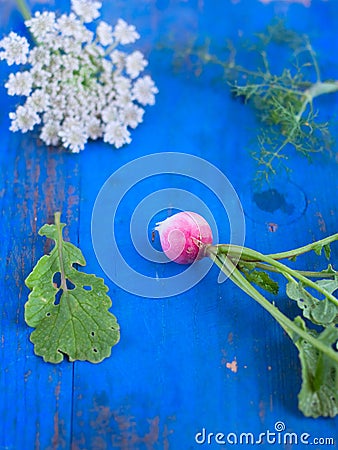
(319,247)
(261,279)
(319,391)
(320,312)
(330,285)
(329,270)
(327,251)
(70,319)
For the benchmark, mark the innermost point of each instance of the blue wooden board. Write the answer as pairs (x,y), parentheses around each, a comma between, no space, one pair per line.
(173,373)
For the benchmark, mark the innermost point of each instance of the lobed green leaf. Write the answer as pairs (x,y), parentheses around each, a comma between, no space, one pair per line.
(262,279)
(319,391)
(73,318)
(320,312)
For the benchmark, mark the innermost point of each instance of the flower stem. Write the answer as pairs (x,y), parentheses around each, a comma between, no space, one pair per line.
(24,9)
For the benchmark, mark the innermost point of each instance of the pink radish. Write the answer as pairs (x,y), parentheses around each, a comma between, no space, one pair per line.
(184,237)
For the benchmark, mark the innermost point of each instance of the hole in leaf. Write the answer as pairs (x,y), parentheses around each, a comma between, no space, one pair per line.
(92,333)
(58,297)
(87,288)
(57,279)
(48,314)
(95,350)
(70,285)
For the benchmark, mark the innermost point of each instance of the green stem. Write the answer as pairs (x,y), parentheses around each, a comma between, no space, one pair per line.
(57,220)
(318,88)
(305,273)
(110,49)
(226,265)
(314,59)
(321,88)
(280,148)
(252,255)
(24,9)
(306,248)
(315,90)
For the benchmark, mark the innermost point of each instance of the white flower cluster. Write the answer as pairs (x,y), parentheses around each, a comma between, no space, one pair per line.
(80,85)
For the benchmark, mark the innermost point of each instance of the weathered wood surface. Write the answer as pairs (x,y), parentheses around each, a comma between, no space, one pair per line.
(210,357)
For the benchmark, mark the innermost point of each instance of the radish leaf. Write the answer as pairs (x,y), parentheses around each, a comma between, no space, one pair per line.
(320,312)
(318,395)
(68,308)
(262,279)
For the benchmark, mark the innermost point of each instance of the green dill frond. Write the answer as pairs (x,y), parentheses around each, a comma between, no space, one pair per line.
(282,101)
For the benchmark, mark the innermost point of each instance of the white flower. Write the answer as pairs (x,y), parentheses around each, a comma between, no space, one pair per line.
(23,119)
(38,101)
(15,49)
(117,134)
(119,59)
(42,25)
(68,45)
(135,63)
(69,64)
(19,83)
(124,33)
(122,84)
(40,56)
(123,99)
(87,10)
(70,26)
(73,134)
(104,33)
(75,89)
(50,132)
(144,90)
(109,114)
(131,115)
(41,76)
(94,128)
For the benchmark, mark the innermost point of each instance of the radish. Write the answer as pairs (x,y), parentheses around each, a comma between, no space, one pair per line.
(184,237)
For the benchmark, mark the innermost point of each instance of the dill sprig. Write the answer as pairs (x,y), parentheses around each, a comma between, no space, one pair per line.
(283,101)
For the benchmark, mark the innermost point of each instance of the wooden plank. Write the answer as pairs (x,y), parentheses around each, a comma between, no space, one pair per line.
(34,395)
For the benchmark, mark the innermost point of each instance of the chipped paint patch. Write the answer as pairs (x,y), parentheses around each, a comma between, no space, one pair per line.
(27,375)
(321,222)
(262,409)
(230,337)
(272,227)
(233,366)
(121,429)
(58,438)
